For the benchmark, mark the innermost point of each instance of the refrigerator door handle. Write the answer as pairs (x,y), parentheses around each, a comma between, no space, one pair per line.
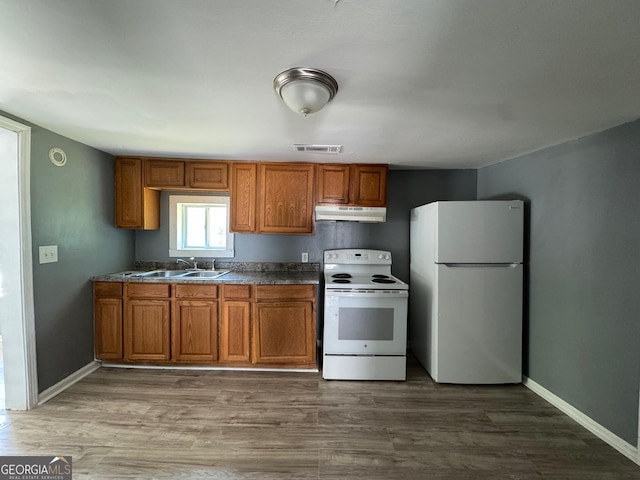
(460,265)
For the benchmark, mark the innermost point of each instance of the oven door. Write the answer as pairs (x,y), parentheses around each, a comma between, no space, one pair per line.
(373,322)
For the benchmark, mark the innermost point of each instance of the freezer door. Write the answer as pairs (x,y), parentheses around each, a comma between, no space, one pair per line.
(480,232)
(479,324)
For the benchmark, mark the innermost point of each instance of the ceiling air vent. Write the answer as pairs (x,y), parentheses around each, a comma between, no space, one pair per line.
(299,147)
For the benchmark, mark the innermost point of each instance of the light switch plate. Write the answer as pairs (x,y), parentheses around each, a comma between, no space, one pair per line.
(305,257)
(48,254)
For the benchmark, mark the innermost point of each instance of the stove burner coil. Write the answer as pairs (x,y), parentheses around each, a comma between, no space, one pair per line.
(383,280)
(378,275)
(341,280)
(341,275)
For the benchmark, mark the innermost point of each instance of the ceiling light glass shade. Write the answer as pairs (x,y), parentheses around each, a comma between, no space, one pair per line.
(305,90)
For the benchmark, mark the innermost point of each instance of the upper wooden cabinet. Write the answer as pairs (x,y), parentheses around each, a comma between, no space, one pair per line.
(360,185)
(136,206)
(369,185)
(333,184)
(181,174)
(207,175)
(163,173)
(243,197)
(285,199)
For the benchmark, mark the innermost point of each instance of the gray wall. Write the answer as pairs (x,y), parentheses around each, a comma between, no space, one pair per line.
(582,331)
(72,207)
(407,189)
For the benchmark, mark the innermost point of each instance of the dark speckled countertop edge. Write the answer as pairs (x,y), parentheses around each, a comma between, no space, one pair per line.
(248,273)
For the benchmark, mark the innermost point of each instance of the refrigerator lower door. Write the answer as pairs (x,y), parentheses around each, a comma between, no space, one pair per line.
(478,328)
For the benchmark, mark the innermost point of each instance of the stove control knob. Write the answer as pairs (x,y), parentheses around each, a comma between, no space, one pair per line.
(381,256)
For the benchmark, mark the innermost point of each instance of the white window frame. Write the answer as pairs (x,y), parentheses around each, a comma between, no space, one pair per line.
(175,223)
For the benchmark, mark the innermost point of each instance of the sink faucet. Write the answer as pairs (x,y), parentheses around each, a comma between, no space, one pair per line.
(193,263)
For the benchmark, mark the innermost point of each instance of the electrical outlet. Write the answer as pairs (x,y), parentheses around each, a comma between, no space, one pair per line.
(48,254)
(305,257)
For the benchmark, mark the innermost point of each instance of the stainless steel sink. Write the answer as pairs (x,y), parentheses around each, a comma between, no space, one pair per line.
(162,273)
(206,274)
(182,274)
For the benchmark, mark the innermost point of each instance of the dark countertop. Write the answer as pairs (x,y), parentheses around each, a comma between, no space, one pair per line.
(253,277)
(265,273)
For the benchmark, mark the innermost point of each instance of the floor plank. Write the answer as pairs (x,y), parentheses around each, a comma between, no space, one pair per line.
(140,424)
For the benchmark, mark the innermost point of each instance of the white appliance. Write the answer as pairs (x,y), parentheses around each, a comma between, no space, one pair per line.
(365,317)
(351,214)
(466,280)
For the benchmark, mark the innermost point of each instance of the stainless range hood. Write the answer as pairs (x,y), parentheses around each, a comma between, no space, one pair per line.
(351,214)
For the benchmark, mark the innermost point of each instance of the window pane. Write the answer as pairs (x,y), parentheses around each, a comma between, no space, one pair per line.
(195,223)
(217,226)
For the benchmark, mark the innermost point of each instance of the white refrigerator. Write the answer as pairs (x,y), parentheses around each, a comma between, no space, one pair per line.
(465,307)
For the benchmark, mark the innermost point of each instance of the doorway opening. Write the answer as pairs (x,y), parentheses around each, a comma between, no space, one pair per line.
(17,319)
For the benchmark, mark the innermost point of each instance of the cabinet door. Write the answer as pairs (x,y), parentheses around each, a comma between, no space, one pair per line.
(234,332)
(147,330)
(285,202)
(209,175)
(333,184)
(136,207)
(243,197)
(284,332)
(163,173)
(369,185)
(194,331)
(108,328)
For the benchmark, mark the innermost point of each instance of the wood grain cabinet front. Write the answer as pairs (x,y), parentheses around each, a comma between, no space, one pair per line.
(136,206)
(146,330)
(208,175)
(333,184)
(146,322)
(194,324)
(285,199)
(107,320)
(369,185)
(163,173)
(243,197)
(235,331)
(284,325)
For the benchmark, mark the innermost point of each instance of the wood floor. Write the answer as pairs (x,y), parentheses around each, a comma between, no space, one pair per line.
(123,423)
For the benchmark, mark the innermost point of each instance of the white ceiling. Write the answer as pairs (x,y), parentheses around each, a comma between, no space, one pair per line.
(422,83)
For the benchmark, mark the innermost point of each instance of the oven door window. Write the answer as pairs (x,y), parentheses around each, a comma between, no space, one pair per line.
(365,325)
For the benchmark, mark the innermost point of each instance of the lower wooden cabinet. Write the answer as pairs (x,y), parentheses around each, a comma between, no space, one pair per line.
(284,325)
(235,332)
(194,323)
(107,320)
(230,324)
(108,328)
(284,332)
(146,330)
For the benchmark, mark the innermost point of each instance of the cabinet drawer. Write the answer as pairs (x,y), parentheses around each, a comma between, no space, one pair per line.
(196,291)
(239,292)
(279,292)
(148,290)
(107,289)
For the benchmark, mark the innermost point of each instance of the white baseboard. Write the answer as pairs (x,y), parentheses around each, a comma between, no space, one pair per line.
(195,367)
(594,427)
(65,383)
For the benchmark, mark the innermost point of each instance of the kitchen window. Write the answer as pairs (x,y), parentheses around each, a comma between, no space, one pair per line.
(199,226)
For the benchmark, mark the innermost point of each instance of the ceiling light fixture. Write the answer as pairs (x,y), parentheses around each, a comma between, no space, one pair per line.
(305,90)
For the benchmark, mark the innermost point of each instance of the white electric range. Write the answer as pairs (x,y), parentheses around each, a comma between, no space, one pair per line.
(365,317)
